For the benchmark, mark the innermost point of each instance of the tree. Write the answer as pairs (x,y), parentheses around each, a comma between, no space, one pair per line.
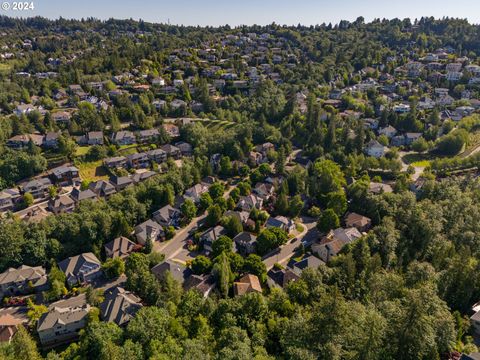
(222,244)
(420,145)
(214,215)
(270,239)
(23,346)
(52,192)
(295,206)
(216,190)
(189,210)
(328,220)
(205,201)
(327,178)
(233,225)
(254,265)
(147,249)
(94,296)
(281,205)
(114,267)
(35,311)
(337,201)
(221,270)
(201,265)
(28,199)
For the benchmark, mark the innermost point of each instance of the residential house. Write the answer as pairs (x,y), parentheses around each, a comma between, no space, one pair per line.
(247,284)
(171,129)
(195,192)
(81,268)
(247,203)
(121,182)
(411,137)
(158,156)
(379,188)
(102,188)
(375,149)
(308,262)
(245,242)
(78,195)
(61,117)
(388,131)
(22,141)
(148,230)
(51,140)
(475,319)
(360,222)
(37,187)
(23,109)
(167,216)
(65,175)
(281,222)
(142,175)
(148,136)
(178,271)
(119,247)
(61,204)
(279,278)
(138,161)
(334,241)
(123,137)
(23,280)
(255,157)
(211,235)
(8,327)
(119,306)
(62,323)
(185,148)
(265,148)
(8,199)
(115,162)
(171,151)
(94,138)
(264,190)
(242,216)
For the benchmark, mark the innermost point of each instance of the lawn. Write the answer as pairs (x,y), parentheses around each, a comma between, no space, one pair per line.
(92,171)
(82,150)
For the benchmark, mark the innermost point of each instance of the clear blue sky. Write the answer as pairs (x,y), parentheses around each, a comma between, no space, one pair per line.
(236,12)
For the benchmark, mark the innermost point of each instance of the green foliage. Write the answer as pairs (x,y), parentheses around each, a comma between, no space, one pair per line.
(328,220)
(113,267)
(201,265)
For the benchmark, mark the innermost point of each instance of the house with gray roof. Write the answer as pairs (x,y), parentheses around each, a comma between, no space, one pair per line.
(245,242)
(120,247)
(148,230)
(37,187)
(78,195)
(119,306)
(178,271)
(81,268)
(121,182)
(65,175)
(61,204)
(167,216)
(8,199)
(103,188)
(115,162)
(23,280)
(123,137)
(157,155)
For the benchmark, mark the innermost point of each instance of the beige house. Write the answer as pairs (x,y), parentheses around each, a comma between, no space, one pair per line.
(23,280)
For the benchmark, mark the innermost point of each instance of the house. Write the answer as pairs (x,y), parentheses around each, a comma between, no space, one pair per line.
(22,141)
(138,161)
(204,284)
(115,162)
(158,155)
(8,327)
(65,175)
(119,306)
(148,230)
(411,137)
(61,204)
(279,278)
(171,151)
(264,191)
(147,136)
(255,157)
(375,149)
(62,323)
(81,268)
(61,117)
(334,241)
(472,356)
(195,192)
(51,140)
(119,247)
(242,216)
(308,262)
(78,195)
(247,284)
(245,242)
(103,188)
(178,271)
(171,129)
(121,182)
(211,235)
(8,199)
(265,148)
(94,138)
(37,187)
(185,148)
(142,175)
(23,109)
(123,137)
(379,188)
(247,203)
(360,222)
(167,216)
(281,222)
(388,131)
(475,319)
(23,280)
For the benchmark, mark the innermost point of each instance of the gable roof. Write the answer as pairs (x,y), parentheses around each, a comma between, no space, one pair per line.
(73,265)
(119,306)
(247,283)
(120,247)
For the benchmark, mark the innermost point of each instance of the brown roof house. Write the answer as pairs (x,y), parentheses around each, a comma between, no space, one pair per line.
(148,230)
(61,204)
(119,306)
(81,268)
(360,222)
(247,284)
(8,327)
(335,240)
(23,280)
(120,247)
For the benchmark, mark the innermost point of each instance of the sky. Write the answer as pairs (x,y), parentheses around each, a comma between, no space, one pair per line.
(248,12)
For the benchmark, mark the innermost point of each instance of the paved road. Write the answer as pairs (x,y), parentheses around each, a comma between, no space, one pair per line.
(418,169)
(309,234)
